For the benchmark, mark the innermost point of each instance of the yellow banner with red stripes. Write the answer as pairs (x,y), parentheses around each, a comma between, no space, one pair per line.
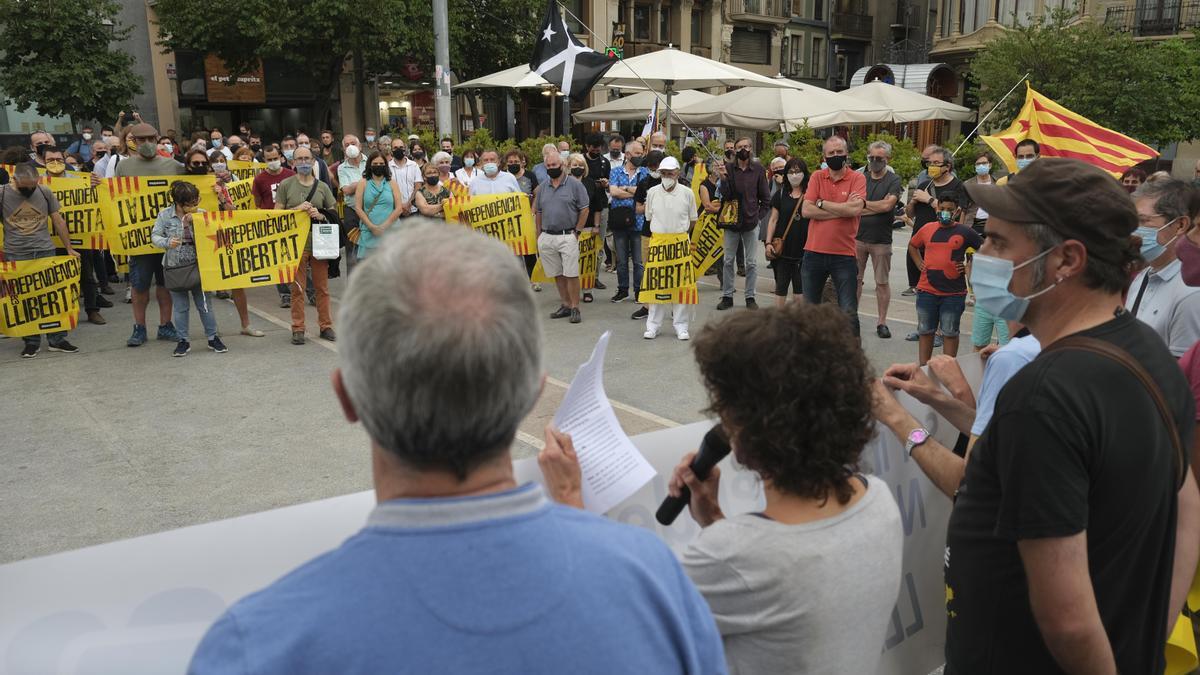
(241,249)
(1063,133)
(670,275)
(507,217)
(80,208)
(243,170)
(39,296)
(589,254)
(130,205)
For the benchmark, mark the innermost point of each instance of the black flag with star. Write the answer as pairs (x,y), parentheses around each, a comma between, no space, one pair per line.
(563,60)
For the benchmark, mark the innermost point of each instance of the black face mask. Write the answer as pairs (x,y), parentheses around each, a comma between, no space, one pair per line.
(636,161)
(26,192)
(743,154)
(377,170)
(729,153)
(398,152)
(514,169)
(41,149)
(577,172)
(555,172)
(432,180)
(877,163)
(235,147)
(836,162)
(255,147)
(417,154)
(197,170)
(614,153)
(99,155)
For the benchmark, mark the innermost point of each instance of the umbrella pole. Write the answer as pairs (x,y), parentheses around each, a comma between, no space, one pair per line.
(670,92)
(553,105)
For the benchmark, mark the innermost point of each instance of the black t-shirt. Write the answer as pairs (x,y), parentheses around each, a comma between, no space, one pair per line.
(1076,443)
(793,244)
(639,197)
(927,213)
(598,169)
(877,227)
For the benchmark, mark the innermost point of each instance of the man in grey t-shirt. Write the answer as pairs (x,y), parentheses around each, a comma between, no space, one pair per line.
(24,207)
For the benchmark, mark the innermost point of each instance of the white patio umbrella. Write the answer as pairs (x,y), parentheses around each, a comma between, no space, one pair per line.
(669,70)
(517,77)
(906,105)
(777,109)
(637,106)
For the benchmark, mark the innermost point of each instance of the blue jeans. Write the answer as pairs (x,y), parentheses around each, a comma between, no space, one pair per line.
(843,269)
(749,242)
(36,340)
(180,309)
(628,244)
(939,310)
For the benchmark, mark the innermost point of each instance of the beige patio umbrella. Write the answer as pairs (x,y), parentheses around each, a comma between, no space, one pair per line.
(906,105)
(782,109)
(637,106)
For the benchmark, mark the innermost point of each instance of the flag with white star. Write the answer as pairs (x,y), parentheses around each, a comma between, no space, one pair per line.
(563,60)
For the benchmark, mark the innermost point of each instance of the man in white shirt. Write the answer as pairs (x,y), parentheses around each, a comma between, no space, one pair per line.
(493,181)
(1158,296)
(670,209)
(408,178)
(216,141)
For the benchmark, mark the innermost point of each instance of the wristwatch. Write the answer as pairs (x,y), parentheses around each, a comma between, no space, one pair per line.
(915,437)
(820,203)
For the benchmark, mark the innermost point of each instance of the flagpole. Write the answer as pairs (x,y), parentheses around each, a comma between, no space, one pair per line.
(994,109)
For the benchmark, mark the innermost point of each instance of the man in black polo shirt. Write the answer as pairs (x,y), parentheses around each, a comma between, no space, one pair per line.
(599,169)
(874,239)
(1061,552)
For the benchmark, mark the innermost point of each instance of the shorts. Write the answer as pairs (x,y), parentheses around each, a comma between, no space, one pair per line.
(939,310)
(881,261)
(560,254)
(787,272)
(144,267)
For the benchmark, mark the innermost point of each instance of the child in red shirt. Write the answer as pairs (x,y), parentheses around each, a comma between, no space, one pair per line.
(939,249)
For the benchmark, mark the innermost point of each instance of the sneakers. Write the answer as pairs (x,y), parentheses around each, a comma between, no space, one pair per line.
(912,337)
(94,317)
(561,313)
(683,335)
(30,351)
(751,303)
(328,335)
(64,347)
(650,334)
(217,346)
(167,332)
(575,316)
(182,349)
(883,331)
(297,337)
(600,286)
(139,336)
(640,313)
(909,293)
(103,302)
(128,294)
(285,301)
(107,290)
(725,303)
(620,295)
(223,295)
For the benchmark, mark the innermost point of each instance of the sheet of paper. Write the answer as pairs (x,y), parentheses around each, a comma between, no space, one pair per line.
(613,469)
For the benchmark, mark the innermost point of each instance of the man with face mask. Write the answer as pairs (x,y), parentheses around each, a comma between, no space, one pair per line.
(833,203)
(598,168)
(320,168)
(350,173)
(39,142)
(873,243)
(287,149)
(1158,295)
(447,146)
(922,203)
(369,140)
(539,169)
(1062,546)
(658,141)
(491,180)
(407,176)
(625,222)
(83,145)
(747,183)
(25,207)
(329,154)
(616,150)
(302,192)
(143,269)
(216,141)
(670,209)
(561,212)
(91,262)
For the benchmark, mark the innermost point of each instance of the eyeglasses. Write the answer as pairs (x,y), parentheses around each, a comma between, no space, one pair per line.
(199,165)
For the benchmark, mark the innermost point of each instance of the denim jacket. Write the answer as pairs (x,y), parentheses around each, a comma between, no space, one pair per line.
(168,226)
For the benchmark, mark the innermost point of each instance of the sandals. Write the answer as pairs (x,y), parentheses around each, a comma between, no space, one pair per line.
(587,297)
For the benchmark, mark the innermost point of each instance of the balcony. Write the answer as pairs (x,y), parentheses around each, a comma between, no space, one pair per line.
(851,25)
(777,12)
(1152,19)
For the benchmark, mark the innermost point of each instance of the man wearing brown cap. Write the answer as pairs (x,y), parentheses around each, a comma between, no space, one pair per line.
(1063,539)
(145,161)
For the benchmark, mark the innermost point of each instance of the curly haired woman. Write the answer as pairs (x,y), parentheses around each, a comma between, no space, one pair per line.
(808,584)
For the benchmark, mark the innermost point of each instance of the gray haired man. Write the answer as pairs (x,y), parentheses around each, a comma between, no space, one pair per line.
(874,239)
(442,359)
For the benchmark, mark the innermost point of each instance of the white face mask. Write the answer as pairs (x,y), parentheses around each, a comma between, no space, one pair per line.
(87,136)
(795,179)
(352,152)
(274,165)
(668,184)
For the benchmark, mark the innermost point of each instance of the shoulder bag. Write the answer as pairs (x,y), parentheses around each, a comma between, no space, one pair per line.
(184,277)
(774,249)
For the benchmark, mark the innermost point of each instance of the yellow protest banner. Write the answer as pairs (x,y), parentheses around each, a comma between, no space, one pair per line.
(457,189)
(670,276)
(129,206)
(39,296)
(80,208)
(239,192)
(241,249)
(122,263)
(244,170)
(708,243)
(589,250)
(507,217)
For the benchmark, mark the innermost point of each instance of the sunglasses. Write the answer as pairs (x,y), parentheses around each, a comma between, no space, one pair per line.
(199,165)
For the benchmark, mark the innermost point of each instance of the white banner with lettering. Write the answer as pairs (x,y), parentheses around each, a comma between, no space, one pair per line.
(141,605)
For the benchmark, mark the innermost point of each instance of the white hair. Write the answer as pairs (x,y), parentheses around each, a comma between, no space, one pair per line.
(549,148)
(441,156)
(441,346)
(579,156)
(881,145)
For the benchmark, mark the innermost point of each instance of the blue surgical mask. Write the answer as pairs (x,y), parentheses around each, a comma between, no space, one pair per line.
(983,169)
(491,169)
(469,161)
(1151,249)
(217,143)
(287,153)
(945,217)
(824,165)
(1022,163)
(304,169)
(990,278)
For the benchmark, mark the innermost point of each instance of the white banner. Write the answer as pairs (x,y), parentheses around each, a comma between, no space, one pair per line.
(141,605)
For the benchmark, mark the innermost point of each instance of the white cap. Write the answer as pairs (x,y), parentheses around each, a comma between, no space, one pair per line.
(414,137)
(669,163)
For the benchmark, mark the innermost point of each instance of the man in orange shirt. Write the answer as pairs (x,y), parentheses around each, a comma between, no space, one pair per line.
(835,199)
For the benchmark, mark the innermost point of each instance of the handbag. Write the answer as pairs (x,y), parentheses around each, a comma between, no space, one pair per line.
(621,218)
(181,278)
(729,217)
(775,246)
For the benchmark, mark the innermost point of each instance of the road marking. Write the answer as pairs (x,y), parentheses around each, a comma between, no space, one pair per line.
(284,324)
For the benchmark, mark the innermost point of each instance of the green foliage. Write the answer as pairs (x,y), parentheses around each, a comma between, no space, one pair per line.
(55,56)
(485,36)
(803,142)
(1146,90)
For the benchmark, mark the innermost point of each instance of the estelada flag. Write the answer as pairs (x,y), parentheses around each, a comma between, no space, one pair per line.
(563,60)
(1062,133)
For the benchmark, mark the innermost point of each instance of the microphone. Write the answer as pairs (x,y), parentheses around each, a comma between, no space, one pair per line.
(713,449)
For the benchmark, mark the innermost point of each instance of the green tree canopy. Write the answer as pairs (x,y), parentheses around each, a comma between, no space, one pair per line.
(55,56)
(1148,90)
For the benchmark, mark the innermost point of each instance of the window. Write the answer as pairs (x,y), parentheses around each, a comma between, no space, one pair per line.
(641,22)
(1015,12)
(818,10)
(798,54)
(818,53)
(945,15)
(664,24)
(784,52)
(749,46)
(573,14)
(698,27)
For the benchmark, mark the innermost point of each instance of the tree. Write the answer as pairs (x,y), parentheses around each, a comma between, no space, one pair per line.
(1148,90)
(485,36)
(55,56)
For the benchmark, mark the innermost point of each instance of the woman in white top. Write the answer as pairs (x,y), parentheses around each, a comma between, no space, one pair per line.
(467,173)
(808,584)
